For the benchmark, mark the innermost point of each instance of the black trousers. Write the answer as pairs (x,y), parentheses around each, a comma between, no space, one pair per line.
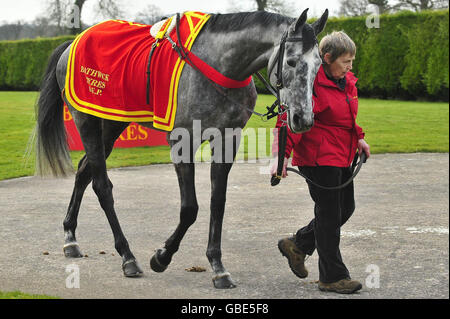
(331,210)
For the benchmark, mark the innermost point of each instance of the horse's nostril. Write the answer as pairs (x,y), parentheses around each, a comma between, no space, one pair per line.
(296,119)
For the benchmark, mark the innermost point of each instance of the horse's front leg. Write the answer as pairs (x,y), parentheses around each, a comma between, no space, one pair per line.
(188,214)
(219,179)
(220,168)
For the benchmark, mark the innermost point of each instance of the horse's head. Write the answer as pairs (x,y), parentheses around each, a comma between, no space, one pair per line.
(293,67)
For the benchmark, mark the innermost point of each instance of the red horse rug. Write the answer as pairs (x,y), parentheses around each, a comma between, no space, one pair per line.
(107,70)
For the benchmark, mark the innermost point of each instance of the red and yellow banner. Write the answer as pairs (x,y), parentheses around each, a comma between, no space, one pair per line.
(134,135)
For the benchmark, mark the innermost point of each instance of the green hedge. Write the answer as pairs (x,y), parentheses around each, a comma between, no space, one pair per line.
(23,62)
(406,58)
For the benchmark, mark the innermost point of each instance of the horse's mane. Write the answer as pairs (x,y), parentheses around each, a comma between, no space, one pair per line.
(238,21)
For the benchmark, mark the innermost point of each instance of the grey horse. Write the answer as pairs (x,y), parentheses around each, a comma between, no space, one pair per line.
(237,45)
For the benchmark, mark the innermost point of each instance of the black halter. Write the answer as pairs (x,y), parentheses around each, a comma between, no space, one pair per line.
(281,108)
(279,74)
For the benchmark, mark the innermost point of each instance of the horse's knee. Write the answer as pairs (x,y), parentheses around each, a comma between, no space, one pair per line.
(188,214)
(218,203)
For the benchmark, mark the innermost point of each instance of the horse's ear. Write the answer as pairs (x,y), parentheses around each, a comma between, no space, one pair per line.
(301,21)
(319,24)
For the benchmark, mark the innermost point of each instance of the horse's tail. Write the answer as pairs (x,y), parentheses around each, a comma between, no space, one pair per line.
(52,151)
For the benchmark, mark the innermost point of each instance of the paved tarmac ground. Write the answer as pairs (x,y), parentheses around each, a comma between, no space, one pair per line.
(396,243)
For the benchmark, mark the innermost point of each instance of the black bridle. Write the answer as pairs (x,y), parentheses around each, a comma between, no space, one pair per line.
(282,48)
(279,75)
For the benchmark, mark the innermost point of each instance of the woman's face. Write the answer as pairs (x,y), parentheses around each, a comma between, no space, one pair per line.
(339,68)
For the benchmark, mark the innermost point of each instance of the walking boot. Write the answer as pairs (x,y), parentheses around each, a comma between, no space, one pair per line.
(295,256)
(343,286)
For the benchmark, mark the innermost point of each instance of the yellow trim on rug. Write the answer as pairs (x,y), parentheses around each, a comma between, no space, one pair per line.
(191,24)
(130,23)
(163,31)
(173,93)
(78,104)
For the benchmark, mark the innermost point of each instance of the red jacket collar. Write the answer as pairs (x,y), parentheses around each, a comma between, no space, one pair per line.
(322,78)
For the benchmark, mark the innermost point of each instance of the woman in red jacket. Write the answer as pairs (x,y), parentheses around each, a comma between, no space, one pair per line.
(325,154)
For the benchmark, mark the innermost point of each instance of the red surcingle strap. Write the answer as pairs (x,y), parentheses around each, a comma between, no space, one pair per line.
(215,75)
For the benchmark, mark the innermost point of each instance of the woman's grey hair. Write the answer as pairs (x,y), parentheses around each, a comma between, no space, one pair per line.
(336,44)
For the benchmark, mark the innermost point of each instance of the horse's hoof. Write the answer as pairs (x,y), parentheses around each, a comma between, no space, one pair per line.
(155,264)
(223,281)
(72,250)
(131,268)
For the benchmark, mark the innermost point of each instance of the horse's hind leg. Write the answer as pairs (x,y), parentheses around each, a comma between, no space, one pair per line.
(90,129)
(111,131)
(82,180)
(188,214)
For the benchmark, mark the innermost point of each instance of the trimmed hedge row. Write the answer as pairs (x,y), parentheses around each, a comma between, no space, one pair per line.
(23,62)
(406,57)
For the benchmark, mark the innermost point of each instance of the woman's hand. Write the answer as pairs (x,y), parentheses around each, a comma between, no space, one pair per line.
(363,146)
(274,166)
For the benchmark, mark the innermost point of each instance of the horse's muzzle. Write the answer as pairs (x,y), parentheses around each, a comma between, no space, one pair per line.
(300,123)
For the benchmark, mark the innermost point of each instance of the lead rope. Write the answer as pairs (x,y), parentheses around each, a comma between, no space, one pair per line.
(282,137)
(355,172)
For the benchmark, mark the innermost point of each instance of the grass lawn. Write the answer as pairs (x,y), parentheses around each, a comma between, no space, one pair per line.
(21,295)
(390,126)
(404,127)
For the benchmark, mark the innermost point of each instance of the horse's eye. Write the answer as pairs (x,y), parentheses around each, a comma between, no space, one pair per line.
(291,62)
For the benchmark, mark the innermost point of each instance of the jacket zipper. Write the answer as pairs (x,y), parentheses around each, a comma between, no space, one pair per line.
(353,125)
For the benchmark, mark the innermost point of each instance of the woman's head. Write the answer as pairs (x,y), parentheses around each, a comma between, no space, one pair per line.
(338,52)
